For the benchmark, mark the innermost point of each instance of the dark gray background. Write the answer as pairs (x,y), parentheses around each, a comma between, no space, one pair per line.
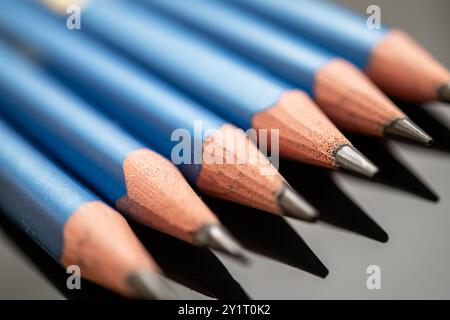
(415,263)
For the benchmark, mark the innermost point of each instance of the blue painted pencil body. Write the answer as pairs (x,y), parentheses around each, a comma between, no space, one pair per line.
(290,57)
(134,97)
(35,194)
(228,85)
(88,143)
(329,25)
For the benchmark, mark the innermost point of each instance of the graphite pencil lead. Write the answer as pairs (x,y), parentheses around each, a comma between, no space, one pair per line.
(349,158)
(150,286)
(295,206)
(217,237)
(405,128)
(444,93)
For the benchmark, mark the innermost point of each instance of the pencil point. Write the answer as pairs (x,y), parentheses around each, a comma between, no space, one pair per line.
(349,158)
(444,93)
(217,237)
(150,286)
(405,128)
(295,206)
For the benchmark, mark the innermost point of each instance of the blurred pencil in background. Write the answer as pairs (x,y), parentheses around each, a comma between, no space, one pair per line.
(162,74)
(136,180)
(72,224)
(243,94)
(338,87)
(390,57)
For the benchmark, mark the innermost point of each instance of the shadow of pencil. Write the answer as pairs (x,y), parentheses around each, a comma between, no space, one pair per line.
(393,172)
(429,122)
(335,206)
(50,269)
(196,268)
(268,235)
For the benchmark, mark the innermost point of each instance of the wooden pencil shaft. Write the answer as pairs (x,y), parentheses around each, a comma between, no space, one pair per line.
(135,179)
(59,213)
(340,89)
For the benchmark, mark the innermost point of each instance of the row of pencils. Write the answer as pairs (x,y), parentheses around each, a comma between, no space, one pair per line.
(100,105)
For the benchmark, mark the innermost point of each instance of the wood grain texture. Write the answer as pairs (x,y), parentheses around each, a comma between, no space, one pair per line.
(159,196)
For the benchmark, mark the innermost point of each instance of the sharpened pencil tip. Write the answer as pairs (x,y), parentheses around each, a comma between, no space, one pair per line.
(349,158)
(405,128)
(444,93)
(215,236)
(294,206)
(150,286)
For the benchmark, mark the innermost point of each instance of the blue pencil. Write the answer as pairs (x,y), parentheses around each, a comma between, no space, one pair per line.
(391,58)
(241,93)
(60,214)
(338,87)
(155,111)
(136,180)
